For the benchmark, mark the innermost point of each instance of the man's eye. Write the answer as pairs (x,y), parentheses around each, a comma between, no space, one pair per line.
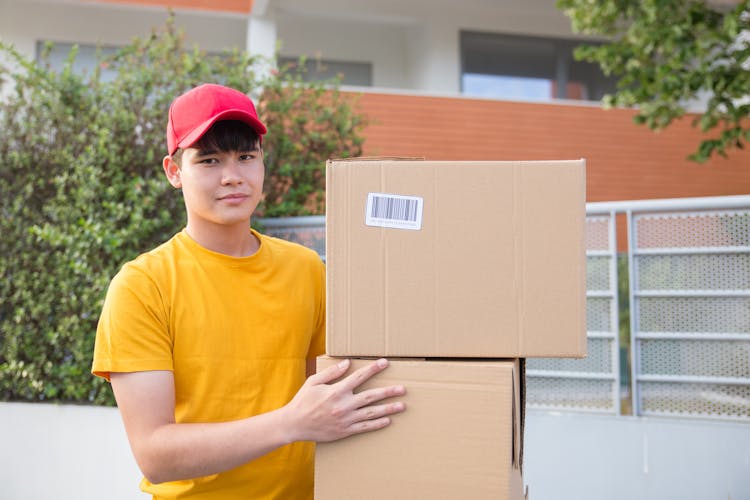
(208,161)
(247,157)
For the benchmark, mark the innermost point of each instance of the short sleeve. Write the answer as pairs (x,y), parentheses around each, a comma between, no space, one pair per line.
(318,340)
(133,332)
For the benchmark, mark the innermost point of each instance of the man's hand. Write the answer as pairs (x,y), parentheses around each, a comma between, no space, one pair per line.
(325,411)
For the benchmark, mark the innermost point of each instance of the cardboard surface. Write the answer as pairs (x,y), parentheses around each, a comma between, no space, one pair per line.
(495,269)
(460,436)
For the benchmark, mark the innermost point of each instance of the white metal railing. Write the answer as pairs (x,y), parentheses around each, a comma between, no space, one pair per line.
(558,384)
(688,268)
(306,230)
(689,297)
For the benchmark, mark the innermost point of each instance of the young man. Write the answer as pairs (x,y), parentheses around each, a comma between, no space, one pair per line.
(207,339)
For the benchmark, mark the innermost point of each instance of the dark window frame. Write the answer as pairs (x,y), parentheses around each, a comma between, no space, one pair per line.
(318,69)
(525,56)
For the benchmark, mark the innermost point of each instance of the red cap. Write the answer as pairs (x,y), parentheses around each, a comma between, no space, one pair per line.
(193,113)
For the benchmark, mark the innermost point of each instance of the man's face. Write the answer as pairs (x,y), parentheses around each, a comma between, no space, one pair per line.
(220,188)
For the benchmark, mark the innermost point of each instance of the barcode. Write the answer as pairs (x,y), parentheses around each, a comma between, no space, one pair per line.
(388,207)
(394,211)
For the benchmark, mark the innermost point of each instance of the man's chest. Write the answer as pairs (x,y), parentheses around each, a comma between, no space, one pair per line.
(243,319)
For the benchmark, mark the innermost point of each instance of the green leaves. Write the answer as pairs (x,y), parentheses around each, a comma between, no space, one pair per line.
(308,123)
(673,55)
(82,189)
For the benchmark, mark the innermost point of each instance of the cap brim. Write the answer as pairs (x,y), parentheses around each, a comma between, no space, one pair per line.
(230,114)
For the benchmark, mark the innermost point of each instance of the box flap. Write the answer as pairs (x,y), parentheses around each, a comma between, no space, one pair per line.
(376,158)
(517,489)
(522,408)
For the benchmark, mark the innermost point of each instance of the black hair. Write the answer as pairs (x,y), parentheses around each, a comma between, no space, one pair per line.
(225,135)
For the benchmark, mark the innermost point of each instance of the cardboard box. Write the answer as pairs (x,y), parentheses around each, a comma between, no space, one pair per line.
(464,259)
(460,436)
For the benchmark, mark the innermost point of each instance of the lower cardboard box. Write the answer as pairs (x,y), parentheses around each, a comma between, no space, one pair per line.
(460,436)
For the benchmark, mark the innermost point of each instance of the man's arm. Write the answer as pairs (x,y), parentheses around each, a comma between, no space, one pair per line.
(320,411)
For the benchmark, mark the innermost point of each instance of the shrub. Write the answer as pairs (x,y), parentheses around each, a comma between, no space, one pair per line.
(82,190)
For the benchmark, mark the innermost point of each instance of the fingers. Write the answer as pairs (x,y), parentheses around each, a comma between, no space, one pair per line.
(370,418)
(330,374)
(371,396)
(368,425)
(376,412)
(363,374)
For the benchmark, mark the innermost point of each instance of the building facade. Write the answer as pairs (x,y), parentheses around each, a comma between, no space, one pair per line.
(439,79)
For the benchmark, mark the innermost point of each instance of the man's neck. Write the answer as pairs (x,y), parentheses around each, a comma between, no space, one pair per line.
(235,241)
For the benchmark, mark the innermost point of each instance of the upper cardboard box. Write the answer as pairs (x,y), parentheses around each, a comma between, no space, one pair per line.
(456,259)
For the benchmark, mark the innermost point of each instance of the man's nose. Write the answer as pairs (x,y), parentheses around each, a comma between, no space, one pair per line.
(231,172)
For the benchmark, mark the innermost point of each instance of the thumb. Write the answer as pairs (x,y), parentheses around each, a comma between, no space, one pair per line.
(329,374)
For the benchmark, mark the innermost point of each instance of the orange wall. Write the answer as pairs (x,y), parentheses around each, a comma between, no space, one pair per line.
(624,161)
(240,6)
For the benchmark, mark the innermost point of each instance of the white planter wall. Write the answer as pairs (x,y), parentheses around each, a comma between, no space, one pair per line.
(65,452)
(81,453)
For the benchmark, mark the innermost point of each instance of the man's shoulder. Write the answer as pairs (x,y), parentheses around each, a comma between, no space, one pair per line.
(152,262)
(290,250)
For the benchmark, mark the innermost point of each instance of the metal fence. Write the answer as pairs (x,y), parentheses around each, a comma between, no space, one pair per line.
(592,383)
(308,230)
(690,323)
(688,270)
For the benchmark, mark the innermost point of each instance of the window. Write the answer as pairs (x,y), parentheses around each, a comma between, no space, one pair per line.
(85,61)
(352,73)
(528,68)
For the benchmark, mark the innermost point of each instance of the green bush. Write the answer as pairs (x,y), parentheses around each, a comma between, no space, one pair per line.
(82,190)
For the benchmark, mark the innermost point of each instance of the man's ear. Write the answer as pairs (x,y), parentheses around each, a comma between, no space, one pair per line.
(172,171)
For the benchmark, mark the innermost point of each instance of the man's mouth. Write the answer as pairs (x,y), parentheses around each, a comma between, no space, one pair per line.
(234,196)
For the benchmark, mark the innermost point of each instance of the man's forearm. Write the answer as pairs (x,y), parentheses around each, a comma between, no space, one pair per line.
(183,451)
(324,409)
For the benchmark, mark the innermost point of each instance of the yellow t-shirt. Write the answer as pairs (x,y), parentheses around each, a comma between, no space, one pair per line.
(236,332)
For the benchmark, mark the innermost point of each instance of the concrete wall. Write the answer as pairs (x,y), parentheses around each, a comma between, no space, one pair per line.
(81,453)
(65,452)
(411,44)
(24,22)
(588,457)
(361,42)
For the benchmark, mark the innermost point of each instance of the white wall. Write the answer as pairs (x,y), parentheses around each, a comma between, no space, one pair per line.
(381,45)
(67,452)
(589,457)
(435,57)
(413,44)
(23,22)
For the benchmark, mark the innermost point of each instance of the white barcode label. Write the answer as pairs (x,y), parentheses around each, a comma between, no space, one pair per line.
(394,211)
